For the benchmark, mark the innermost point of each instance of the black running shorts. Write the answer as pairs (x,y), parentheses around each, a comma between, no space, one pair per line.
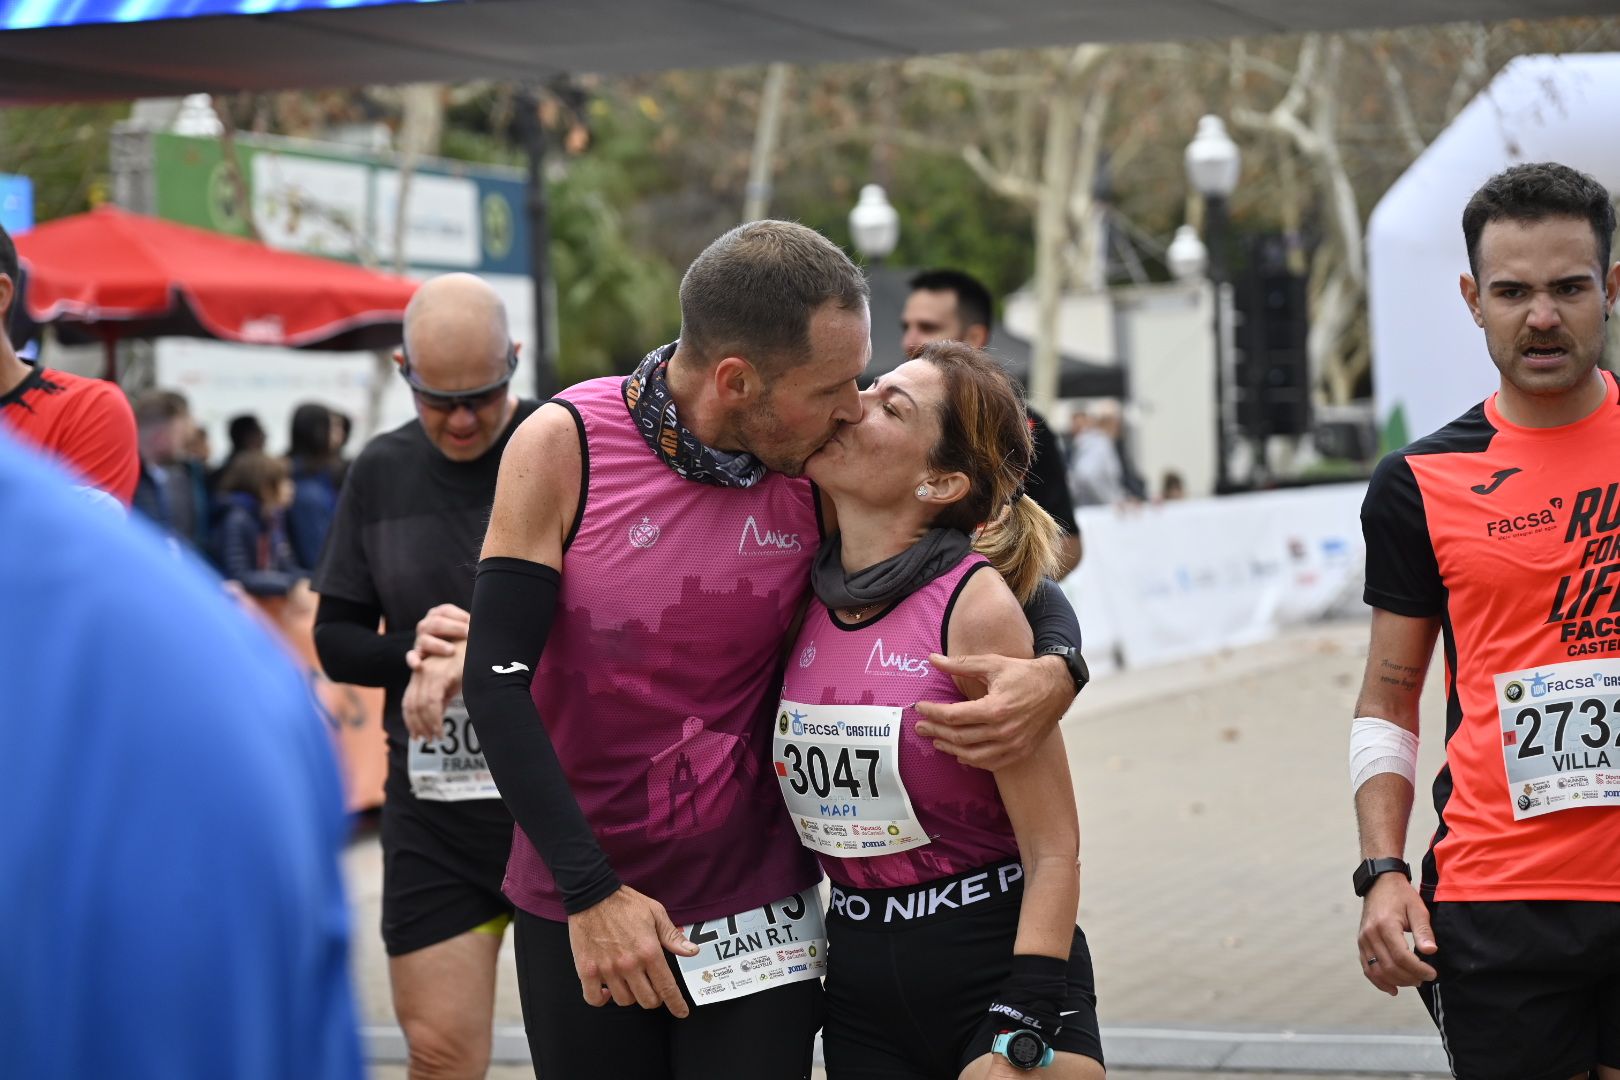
(1527,989)
(911,974)
(442,869)
(765,1036)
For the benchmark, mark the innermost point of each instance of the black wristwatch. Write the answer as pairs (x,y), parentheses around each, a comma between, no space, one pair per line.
(1368,870)
(1071,660)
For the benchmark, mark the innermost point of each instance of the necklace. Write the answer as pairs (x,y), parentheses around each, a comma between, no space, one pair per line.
(857,614)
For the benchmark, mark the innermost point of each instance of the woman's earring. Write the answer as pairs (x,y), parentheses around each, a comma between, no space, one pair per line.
(922,492)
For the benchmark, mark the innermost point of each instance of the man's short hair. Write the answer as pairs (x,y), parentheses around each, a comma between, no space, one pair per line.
(8,256)
(1535,192)
(973,304)
(753,291)
(156,407)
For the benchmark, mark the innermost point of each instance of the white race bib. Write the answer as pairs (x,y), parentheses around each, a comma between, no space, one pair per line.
(783,942)
(1561,736)
(451,768)
(839,767)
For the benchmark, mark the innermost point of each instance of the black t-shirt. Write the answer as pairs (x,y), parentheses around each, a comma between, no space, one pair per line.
(1047,482)
(406,537)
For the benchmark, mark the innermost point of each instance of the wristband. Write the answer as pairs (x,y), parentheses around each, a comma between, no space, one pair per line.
(1032,995)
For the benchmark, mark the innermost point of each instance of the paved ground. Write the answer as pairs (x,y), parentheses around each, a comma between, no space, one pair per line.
(1217,842)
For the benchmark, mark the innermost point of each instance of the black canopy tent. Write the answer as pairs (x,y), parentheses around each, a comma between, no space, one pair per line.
(534,39)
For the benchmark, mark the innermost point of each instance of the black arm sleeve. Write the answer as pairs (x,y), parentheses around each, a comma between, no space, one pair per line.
(350,649)
(514,601)
(1052,617)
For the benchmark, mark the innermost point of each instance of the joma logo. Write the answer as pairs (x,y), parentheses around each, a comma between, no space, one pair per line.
(767,540)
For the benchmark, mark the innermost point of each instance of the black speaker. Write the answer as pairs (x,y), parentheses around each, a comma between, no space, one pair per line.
(1272,373)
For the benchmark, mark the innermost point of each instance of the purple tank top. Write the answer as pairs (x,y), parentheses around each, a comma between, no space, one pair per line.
(884,662)
(659,679)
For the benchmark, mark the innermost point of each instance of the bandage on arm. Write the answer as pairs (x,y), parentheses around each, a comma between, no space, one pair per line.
(1378,746)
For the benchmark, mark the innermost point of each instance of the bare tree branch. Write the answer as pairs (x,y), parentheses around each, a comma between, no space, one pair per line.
(1472,72)
(1400,100)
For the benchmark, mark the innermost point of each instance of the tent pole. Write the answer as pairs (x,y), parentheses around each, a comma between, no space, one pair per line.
(109,345)
(532,136)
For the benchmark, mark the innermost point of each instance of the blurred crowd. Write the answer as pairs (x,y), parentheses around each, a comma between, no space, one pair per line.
(260,519)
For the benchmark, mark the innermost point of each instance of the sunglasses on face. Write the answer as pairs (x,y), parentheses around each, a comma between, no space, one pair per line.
(448,401)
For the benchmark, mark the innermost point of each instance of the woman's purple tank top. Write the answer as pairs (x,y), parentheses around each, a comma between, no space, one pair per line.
(884,662)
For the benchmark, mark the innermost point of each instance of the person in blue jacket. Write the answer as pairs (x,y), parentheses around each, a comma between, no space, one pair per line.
(250,544)
(169,886)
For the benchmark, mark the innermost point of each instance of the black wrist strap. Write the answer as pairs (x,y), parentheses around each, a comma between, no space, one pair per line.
(1032,995)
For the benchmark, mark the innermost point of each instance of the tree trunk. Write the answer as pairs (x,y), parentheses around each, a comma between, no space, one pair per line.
(757,199)
(1051,231)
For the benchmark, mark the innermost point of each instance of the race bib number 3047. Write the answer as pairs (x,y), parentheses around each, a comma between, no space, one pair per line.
(783,942)
(1561,736)
(839,768)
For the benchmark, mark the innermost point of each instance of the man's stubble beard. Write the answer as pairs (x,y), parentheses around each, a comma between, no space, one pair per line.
(754,432)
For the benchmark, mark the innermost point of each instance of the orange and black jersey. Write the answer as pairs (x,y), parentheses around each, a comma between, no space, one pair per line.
(86,424)
(1511,537)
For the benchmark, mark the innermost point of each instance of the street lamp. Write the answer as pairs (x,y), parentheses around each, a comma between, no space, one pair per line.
(874,225)
(1213,165)
(1186,256)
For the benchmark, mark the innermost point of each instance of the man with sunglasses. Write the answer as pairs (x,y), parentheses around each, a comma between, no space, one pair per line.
(401,552)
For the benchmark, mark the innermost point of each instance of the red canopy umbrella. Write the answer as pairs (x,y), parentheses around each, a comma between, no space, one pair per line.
(118,275)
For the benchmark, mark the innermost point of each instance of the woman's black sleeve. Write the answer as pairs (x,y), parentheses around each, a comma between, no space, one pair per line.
(514,602)
(1052,617)
(350,649)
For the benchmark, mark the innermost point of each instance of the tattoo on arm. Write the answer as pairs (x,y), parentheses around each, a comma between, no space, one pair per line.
(1401,676)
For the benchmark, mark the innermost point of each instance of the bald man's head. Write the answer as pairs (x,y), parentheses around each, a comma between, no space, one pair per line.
(457,339)
(456,335)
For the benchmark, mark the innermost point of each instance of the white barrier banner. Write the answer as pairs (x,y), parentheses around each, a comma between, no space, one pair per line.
(1189,578)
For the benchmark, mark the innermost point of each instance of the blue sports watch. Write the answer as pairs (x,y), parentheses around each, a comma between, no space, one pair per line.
(1024,1048)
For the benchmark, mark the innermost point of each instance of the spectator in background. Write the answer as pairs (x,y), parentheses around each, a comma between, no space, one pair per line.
(167,492)
(313,458)
(176,913)
(342,428)
(1096,470)
(245,433)
(86,424)
(250,538)
(1172,487)
(950,305)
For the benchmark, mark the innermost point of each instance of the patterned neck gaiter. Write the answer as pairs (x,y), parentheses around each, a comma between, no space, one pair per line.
(646,394)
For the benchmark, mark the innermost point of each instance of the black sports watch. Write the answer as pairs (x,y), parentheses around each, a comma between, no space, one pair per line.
(1367,872)
(1073,661)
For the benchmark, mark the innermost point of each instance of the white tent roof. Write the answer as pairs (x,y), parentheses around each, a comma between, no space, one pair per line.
(1429,359)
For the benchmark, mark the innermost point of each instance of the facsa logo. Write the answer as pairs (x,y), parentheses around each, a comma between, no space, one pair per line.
(1535,520)
(808,657)
(752,540)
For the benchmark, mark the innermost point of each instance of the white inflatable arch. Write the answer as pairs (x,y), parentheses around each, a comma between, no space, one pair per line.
(1429,359)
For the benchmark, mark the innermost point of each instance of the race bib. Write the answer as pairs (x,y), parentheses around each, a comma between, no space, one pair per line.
(1561,736)
(451,768)
(839,767)
(783,942)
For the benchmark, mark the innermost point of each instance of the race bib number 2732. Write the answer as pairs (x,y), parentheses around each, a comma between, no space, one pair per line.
(1561,736)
